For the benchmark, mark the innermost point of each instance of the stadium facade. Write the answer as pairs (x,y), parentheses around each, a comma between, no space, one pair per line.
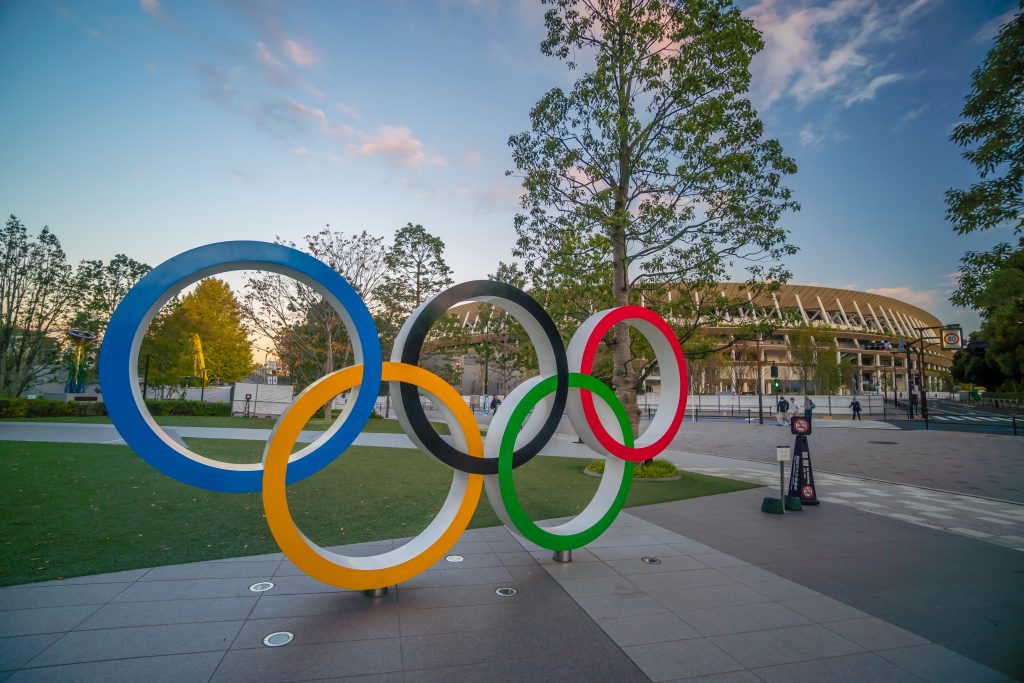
(869,330)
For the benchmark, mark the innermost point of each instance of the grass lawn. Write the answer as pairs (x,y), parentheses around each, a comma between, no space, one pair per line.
(374,425)
(74,509)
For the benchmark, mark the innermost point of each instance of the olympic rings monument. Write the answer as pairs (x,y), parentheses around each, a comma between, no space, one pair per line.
(529,418)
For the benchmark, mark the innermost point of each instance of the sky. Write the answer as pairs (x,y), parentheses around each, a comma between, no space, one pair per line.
(148,128)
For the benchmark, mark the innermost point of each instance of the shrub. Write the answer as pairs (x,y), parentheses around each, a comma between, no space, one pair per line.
(41,407)
(192,408)
(656,469)
(13,407)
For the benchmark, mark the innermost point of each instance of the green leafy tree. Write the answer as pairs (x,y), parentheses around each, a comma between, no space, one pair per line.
(1002,306)
(827,375)
(212,312)
(105,285)
(653,170)
(992,134)
(973,365)
(38,293)
(416,270)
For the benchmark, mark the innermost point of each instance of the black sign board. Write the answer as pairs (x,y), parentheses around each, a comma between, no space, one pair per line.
(801,475)
(800,425)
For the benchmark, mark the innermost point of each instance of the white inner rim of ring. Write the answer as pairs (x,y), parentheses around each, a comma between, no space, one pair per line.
(133,358)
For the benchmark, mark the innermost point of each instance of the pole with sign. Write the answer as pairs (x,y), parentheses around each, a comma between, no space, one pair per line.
(801,479)
(776,506)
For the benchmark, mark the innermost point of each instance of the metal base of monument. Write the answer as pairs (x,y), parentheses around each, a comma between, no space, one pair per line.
(562,556)
(375,592)
(772,506)
(793,504)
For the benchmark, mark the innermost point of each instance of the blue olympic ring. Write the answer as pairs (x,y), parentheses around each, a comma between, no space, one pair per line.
(119,360)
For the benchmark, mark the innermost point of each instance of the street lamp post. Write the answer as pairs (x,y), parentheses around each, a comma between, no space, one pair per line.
(760,406)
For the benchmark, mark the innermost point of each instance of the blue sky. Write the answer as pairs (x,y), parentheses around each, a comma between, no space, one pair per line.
(152,127)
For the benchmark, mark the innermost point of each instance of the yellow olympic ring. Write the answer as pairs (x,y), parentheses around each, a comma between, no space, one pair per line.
(400,564)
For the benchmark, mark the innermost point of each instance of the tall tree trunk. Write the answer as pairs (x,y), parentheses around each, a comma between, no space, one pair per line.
(329,364)
(624,377)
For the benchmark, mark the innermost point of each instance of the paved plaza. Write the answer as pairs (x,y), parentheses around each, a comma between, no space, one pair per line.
(910,570)
(753,602)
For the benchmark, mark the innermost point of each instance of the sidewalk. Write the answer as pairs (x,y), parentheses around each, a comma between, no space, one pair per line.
(705,610)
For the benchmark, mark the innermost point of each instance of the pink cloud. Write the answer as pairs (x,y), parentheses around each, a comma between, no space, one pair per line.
(336,130)
(298,53)
(398,145)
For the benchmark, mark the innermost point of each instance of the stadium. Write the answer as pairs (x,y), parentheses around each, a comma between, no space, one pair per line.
(868,333)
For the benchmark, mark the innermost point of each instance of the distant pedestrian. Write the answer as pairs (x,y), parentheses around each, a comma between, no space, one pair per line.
(808,407)
(855,407)
(794,407)
(494,404)
(782,408)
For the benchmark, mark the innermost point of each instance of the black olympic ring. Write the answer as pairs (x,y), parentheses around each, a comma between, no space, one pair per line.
(539,327)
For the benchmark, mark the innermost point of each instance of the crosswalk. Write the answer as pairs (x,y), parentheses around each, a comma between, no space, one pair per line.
(1001,419)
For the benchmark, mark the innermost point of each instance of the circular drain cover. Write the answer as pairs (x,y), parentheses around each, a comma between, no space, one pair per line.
(650,560)
(455,558)
(278,639)
(261,587)
(506,592)
(886,443)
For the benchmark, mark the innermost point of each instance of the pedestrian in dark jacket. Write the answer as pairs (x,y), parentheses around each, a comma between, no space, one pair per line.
(855,407)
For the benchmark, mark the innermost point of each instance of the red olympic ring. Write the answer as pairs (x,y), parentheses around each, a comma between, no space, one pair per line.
(648,451)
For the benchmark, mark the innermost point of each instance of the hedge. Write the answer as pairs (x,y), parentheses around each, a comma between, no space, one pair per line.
(20,407)
(174,406)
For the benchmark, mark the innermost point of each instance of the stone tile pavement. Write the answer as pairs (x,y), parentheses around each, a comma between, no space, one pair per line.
(700,613)
(988,520)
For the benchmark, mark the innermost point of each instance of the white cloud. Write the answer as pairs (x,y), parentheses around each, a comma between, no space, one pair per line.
(349,110)
(808,137)
(910,115)
(831,50)
(868,91)
(298,53)
(398,145)
(335,130)
(152,7)
(301,152)
(471,158)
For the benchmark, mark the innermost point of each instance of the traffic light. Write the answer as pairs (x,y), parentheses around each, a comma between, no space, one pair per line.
(776,385)
(775,370)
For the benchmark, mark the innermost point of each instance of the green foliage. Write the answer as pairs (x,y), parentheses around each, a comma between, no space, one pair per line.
(38,291)
(13,407)
(652,172)
(190,408)
(992,134)
(39,407)
(212,312)
(415,271)
(651,469)
(104,287)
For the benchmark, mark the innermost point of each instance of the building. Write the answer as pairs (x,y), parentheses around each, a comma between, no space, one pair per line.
(868,330)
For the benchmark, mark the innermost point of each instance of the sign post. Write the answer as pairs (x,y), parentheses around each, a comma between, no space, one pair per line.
(801,478)
(775,506)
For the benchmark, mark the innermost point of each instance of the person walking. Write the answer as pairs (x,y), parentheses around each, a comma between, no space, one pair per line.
(855,407)
(808,407)
(794,407)
(494,404)
(781,409)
